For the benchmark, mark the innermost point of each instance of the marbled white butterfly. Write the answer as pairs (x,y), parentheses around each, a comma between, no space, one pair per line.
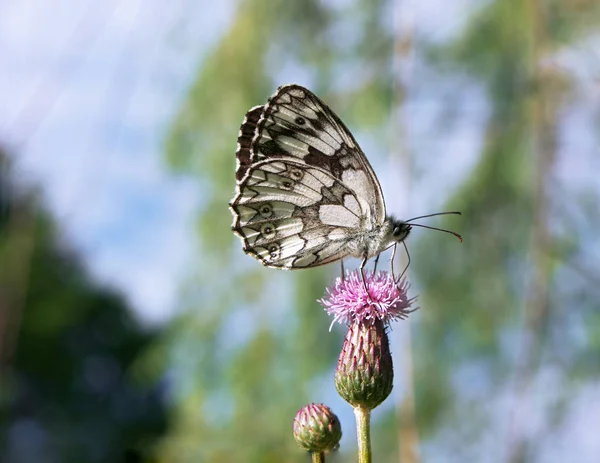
(306,194)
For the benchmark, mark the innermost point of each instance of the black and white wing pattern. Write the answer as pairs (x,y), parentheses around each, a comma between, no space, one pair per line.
(306,194)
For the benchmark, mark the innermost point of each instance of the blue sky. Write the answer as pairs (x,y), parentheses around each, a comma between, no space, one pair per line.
(90,95)
(86,107)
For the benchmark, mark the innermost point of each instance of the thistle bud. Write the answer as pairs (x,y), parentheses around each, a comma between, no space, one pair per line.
(317,428)
(364,375)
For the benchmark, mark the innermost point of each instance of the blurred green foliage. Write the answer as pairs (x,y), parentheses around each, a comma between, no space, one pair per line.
(73,384)
(474,296)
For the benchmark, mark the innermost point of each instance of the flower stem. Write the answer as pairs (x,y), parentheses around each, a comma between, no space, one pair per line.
(363,432)
(318,457)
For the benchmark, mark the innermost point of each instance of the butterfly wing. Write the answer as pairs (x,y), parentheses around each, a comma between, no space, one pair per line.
(305,188)
(296,124)
(292,215)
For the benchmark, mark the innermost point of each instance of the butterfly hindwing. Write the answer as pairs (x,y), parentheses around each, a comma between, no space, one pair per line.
(291,215)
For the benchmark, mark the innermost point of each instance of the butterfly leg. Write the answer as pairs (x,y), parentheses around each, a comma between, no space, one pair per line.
(407,264)
(392,261)
(376,262)
(343,273)
(362,274)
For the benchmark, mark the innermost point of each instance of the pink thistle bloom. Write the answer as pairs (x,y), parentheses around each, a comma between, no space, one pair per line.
(348,302)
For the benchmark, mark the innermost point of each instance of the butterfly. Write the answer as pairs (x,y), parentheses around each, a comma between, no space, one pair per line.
(306,194)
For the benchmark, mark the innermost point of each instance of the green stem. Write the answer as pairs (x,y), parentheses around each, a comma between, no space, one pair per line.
(363,432)
(318,457)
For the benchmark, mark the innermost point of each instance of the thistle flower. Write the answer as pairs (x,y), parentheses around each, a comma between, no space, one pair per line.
(317,428)
(364,374)
(348,302)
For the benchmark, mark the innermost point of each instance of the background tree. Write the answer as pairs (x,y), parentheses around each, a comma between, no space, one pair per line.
(497,310)
(263,349)
(490,306)
(76,383)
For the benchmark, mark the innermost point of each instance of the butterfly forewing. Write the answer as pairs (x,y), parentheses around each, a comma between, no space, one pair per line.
(296,123)
(243,154)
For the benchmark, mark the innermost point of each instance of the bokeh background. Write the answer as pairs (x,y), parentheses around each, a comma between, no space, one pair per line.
(133,327)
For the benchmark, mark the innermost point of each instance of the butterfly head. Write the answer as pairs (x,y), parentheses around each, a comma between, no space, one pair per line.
(400,230)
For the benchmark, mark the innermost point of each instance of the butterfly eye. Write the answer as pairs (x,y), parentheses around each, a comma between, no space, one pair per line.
(300,120)
(268,231)
(397,231)
(266,210)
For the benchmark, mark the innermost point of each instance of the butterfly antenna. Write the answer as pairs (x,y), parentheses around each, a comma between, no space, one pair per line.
(432,215)
(438,229)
